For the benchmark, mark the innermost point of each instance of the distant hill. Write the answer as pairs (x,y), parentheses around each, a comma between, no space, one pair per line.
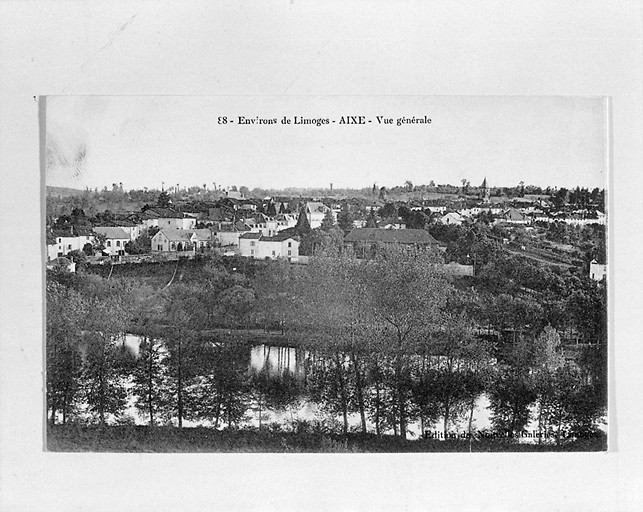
(63,191)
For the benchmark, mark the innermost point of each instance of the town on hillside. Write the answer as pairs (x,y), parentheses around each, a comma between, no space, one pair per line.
(115,226)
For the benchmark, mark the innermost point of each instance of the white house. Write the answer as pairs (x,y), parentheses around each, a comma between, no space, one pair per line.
(279,246)
(254,245)
(115,239)
(597,271)
(249,244)
(65,244)
(452,218)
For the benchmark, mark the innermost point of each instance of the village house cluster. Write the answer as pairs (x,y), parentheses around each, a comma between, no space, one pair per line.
(265,228)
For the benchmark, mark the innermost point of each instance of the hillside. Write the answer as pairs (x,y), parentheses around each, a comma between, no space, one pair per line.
(62,191)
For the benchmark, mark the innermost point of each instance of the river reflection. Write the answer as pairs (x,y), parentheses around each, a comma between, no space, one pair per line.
(276,361)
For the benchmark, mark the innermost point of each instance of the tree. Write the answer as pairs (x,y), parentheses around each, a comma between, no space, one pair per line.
(271,211)
(235,304)
(454,380)
(143,243)
(99,242)
(513,390)
(78,257)
(547,363)
(150,379)
(66,310)
(388,210)
(406,293)
(184,313)
(345,220)
(303,226)
(163,200)
(219,390)
(329,221)
(149,373)
(108,308)
(371,221)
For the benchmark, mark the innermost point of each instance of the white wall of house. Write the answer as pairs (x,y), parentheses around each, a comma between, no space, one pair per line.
(262,249)
(65,244)
(597,271)
(115,246)
(52,251)
(249,247)
(288,248)
(171,223)
(451,218)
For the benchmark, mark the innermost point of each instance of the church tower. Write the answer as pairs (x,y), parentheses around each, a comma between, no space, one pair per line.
(486,191)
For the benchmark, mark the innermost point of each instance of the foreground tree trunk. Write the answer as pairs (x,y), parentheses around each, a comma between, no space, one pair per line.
(150,383)
(360,392)
(342,392)
(447,410)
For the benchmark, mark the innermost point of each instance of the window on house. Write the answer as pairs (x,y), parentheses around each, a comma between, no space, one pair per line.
(289,245)
(109,243)
(289,253)
(252,251)
(69,247)
(60,240)
(118,243)
(252,244)
(173,246)
(273,253)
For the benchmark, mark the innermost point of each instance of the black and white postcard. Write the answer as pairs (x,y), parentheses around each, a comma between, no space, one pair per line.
(371,274)
(293,255)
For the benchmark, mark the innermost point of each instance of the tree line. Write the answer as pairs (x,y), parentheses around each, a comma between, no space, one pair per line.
(391,340)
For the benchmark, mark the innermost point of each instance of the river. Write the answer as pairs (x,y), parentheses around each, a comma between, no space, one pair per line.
(277,361)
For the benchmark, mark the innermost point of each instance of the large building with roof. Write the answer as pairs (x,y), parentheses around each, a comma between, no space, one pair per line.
(181,240)
(362,239)
(115,239)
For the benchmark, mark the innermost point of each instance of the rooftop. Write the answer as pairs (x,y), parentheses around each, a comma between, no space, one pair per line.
(112,232)
(400,236)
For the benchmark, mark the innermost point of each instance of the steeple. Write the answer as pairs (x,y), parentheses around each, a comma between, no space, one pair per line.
(486,191)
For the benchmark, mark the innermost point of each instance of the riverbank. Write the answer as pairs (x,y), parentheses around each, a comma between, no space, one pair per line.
(136,439)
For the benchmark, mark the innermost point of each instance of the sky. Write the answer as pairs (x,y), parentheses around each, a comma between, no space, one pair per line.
(155,141)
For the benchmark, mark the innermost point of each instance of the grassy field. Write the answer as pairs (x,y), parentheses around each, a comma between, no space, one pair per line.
(208,440)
